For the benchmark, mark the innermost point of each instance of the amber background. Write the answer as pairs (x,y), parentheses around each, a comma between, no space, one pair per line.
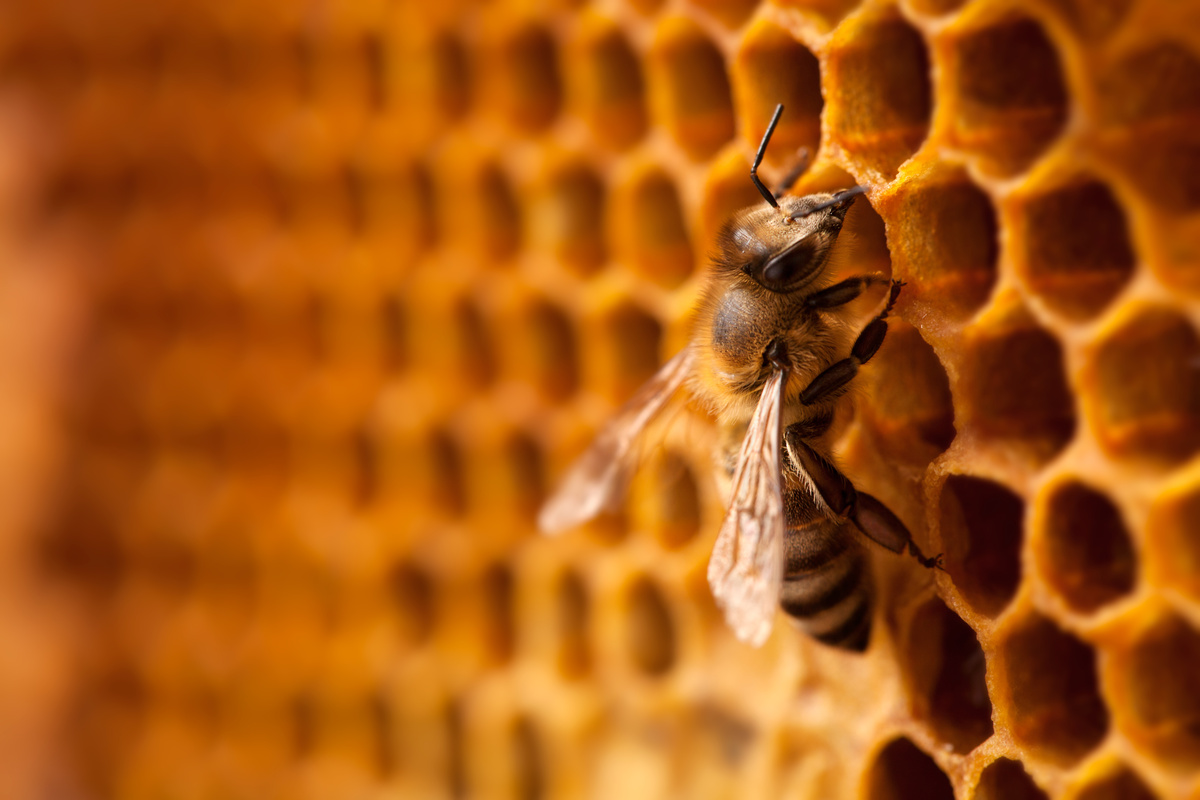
(304,305)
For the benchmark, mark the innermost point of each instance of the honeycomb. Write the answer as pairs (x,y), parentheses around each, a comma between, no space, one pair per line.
(307,305)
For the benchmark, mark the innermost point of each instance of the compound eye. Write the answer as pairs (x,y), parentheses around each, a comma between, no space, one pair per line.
(789,266)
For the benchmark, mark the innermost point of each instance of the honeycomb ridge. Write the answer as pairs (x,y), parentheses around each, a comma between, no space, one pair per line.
(312,303)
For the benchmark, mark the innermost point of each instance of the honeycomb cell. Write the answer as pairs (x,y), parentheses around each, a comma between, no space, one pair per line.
(495,224)
(607,84)
(451,71)
(981,524)
(525,474)
(1013,381)
(1008,92)
(904,772)
(667,490)
(574,650)
(1074,251)
(1173,533)
(1085,550)
(1005,779)
(1123,784)
(446,479)
(1147,387)
(497,597)
(1148,99)
(528,760)
(473,343)
(523,81)
(949,675)
(393,330)
(1051,697)
(649,630)
(1160,692)
(649,229)
(949,243)
(630,356)
(731,13)
(770,68)
(1093,20)
(879,92)
(568,219)
(910,402)
(690,91)
(548,354)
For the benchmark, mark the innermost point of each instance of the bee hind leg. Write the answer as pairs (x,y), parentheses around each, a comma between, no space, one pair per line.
(869,515)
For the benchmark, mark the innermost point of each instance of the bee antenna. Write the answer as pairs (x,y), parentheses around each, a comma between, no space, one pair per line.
(758,157)
(836,200)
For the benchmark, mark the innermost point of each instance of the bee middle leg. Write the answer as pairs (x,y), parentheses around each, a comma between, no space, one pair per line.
(840,373)
(867,513)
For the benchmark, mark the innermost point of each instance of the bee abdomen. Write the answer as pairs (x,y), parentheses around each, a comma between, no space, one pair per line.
(826,588)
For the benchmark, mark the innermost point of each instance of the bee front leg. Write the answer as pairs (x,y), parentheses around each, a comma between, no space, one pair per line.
(840,373)
(869,515)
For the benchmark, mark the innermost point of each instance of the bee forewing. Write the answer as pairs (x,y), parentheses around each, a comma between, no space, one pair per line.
(597,481)
(746,569)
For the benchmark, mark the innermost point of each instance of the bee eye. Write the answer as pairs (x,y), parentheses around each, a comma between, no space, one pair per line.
(786,267)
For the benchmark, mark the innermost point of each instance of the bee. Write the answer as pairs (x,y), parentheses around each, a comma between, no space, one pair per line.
(770,356)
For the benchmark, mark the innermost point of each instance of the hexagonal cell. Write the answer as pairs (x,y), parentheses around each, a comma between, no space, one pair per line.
(473,343)
(649,230)
(880,92)
(949,673)
(525,474)
(1053,702)
(574,651)
(908,397)
(691,95)
(772,67)
(665,493)
(1174,539)
(496,215)
(607,84)
(1123,784)
(1073,247)
(981,524)
(497,590)
(1160,687)
(903,772)
(412,593)
(451,75)
(1014,387)
(1008,92)
(569,218)
(945,243)
(629,353)
(1149,100)
(1005,779)
(446,479)
(1084,547)
(551,346)
(528,762)
(1147,385)
(396,349)
(650,632)
(1093,19)
(523,80)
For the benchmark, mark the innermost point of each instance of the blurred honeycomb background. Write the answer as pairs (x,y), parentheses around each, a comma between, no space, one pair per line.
(306,305)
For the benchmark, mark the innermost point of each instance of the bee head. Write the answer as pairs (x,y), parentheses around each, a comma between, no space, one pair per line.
(784,250)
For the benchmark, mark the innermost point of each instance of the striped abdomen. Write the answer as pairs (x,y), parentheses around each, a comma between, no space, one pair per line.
(826,584)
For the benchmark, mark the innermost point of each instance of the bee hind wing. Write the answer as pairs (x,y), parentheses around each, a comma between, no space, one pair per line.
(598,480)
(746,568)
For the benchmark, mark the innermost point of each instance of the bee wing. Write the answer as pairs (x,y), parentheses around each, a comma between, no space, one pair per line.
(746,568)
(597,481)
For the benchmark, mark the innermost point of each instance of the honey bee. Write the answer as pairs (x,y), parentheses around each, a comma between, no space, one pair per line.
(770,356)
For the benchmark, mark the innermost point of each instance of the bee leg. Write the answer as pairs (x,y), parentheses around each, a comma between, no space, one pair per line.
(843,292)
(840,373)
(869,515)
